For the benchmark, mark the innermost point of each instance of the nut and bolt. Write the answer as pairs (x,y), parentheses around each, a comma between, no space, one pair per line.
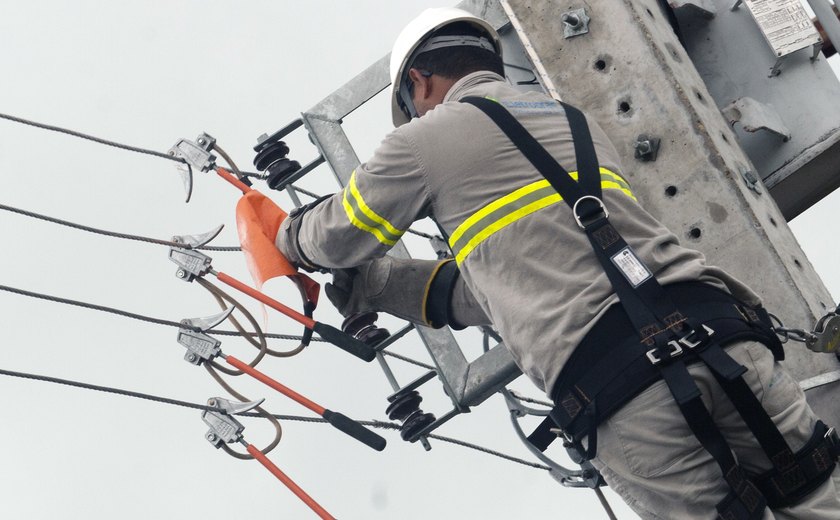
(211,437)
(572,20)
(192,357)
(646,148)
(181,273)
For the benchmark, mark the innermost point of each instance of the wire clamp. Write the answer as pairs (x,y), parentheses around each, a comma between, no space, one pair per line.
(191,263)
(224,429)
(200,346)
(196,155)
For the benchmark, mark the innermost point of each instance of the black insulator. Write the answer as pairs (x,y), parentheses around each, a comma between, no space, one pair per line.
(415,424)
(279,171)
(404,405)
(362,326)
(269,153)
(271,158)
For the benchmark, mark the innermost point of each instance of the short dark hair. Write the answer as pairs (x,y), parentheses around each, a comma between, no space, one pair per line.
(457,62)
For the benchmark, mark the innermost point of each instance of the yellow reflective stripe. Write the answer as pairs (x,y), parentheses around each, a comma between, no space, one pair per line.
(369,212)
(364,218)
(518,204)
(505,221)
(490,208)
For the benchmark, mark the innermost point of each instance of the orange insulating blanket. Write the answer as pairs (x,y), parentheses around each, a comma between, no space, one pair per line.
(257,220)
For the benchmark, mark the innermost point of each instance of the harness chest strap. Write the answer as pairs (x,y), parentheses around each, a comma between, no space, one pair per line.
(660,326)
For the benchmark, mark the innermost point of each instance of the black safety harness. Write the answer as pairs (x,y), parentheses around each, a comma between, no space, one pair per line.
(664,329)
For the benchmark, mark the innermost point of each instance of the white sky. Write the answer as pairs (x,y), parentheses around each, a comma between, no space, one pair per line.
(148,74)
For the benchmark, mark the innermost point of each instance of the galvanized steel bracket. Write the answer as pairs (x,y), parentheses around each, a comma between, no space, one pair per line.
(704,8)
(755,116)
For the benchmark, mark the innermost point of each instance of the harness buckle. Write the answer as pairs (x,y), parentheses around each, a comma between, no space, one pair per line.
(688,340)
(577,217)
(676,350)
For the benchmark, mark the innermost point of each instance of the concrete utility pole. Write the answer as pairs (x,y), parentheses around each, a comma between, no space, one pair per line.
(621,62)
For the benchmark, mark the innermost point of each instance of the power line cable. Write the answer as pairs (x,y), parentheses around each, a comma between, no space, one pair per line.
(147,152)
(196,406)
(170,323)
(132,315)
(146,239)
(114,234)
(92,138)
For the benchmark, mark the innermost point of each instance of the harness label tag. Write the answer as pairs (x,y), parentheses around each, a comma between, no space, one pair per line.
(631,267)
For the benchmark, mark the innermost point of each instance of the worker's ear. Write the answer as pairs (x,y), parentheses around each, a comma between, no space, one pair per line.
(422,84)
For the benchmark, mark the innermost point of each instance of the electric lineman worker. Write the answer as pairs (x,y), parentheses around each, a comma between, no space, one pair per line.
(597,302)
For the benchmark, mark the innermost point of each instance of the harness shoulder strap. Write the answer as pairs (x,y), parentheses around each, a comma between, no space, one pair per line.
(659,325)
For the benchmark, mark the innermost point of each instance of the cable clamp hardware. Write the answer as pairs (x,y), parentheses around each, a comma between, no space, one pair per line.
(191,263)
(224,428)
(196,155)
(200,346)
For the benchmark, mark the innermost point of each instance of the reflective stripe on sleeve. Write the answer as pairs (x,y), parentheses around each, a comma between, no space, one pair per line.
(512,207)
(366,219)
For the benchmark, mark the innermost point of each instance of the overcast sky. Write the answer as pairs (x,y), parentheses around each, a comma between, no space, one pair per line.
(147,74)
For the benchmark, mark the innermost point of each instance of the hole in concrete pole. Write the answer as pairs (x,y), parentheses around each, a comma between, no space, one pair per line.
(725,139)
(695,233)
(649,12)
(671,191)
(773,221)
(600,65)
(624,106)
(700,96)
(795,261)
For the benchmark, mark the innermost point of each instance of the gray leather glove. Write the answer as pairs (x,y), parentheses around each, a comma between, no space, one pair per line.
(407,288)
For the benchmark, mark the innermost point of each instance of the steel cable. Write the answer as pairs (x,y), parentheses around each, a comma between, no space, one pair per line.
(91,138)
(114,234)
(169,323)
(141,317)
(196,406)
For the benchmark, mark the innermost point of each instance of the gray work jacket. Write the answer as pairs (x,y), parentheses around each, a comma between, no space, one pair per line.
(529,266)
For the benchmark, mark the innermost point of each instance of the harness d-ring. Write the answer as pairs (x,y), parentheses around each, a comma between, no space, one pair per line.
(592,197)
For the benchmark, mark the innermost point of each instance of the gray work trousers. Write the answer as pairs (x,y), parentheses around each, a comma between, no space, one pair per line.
(648,455)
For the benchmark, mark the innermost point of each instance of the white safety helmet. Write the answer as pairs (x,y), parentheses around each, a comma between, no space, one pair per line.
(413,40)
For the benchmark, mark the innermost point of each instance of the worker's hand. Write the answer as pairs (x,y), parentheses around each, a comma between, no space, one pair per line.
(393,285)
(340,291)
(288,238)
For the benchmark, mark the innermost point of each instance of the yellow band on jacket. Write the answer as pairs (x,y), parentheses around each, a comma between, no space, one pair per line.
(366,219)
(514,206)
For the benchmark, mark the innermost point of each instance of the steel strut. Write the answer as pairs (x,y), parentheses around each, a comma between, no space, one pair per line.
(202,347)
(193,264)
(225,429)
